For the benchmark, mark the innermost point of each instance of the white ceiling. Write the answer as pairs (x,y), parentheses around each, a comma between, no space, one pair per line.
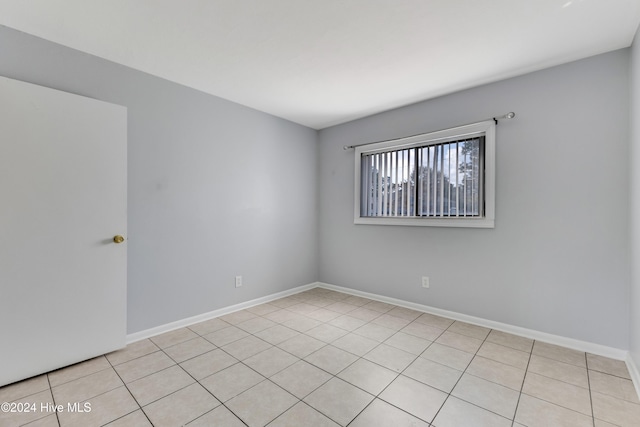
(324,62)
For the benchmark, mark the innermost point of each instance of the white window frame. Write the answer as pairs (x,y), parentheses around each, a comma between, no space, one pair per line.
(487,220)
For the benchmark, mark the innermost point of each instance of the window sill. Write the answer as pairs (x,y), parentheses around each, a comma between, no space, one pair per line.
(430,222)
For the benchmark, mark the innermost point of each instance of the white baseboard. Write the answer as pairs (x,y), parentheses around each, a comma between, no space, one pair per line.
(148,333)
(633,372)
(600,350)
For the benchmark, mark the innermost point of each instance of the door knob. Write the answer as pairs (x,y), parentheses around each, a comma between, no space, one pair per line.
(118,239)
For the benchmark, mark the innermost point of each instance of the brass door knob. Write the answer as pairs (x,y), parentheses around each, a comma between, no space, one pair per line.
(118,239)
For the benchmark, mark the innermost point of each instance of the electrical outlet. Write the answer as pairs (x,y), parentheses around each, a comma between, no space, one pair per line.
(238,281)
(425,282)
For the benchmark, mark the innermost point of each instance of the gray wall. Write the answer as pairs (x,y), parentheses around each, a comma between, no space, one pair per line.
(634,161)
(215,189)
(557,260)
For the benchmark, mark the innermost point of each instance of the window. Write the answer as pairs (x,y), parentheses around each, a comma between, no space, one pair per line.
(443,178)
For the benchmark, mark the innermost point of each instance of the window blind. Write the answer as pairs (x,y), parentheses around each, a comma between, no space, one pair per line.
(433,180)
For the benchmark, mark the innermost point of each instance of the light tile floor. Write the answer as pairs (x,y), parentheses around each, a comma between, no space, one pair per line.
(324,358)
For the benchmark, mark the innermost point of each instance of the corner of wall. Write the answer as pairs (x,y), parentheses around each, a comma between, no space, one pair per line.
(634,204)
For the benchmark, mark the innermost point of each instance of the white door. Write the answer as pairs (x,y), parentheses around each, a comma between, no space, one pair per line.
(63,182)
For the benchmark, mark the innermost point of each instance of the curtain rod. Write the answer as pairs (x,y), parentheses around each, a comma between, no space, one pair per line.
(509,115)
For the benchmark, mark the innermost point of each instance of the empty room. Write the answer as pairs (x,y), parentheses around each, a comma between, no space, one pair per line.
(319,213)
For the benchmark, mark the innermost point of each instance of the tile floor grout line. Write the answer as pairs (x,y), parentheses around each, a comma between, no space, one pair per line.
(195,382)
(560,361)
(265,377)
(502,363)
(269,378)
(278,346)
(182,342)
(377,396)
(346,367)
(283,412)
(568,383)
(461,375)
(586,364)
(400,373)
(231,410)
(147,375)
(191,358)
(327,415)
(559,406)
(469,364)
(131,394)
(163,369)
(524,378)
(100,394)
(135,358)
(607,373)
(53,397)
(608,393)
(308,314)
(555,403)
(224,403)
(202,335)
(536,373)
(314,409)
(202,415)
(302,399)
(294,355)
(465,372)
(324,370)
(364,409)
(390,404)
(82,376)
